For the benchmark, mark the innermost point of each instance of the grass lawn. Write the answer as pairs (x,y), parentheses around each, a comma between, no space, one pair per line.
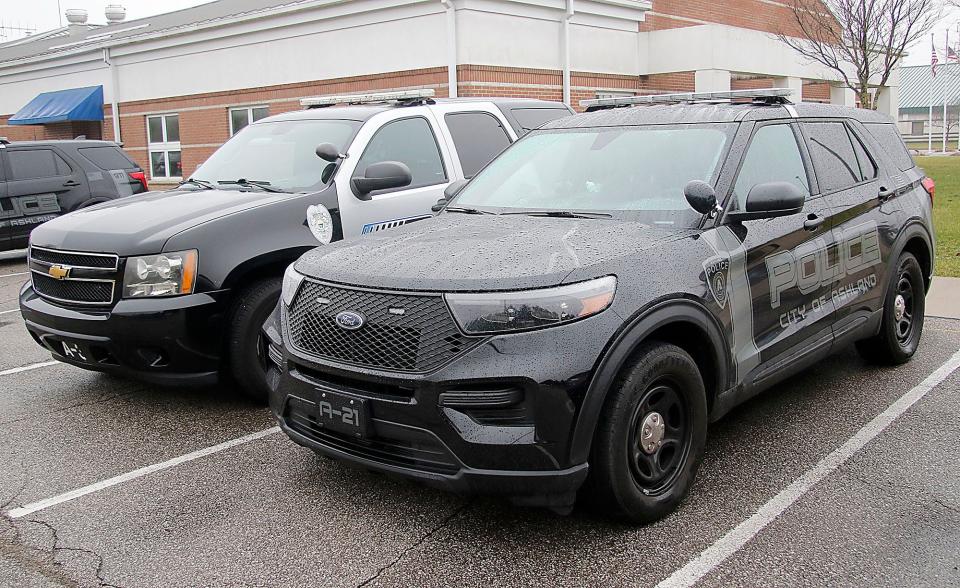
(946,211)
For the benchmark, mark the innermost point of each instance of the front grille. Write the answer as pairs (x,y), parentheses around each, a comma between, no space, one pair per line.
(73,259)
(89,278)
(402,332)
(423,453)
(73,290)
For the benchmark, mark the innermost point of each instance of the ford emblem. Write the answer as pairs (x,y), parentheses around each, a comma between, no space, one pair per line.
(350,320)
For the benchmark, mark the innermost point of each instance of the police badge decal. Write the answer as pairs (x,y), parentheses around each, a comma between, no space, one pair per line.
(715,271)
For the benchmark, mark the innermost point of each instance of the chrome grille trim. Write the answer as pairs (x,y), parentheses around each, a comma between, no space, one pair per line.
(78,254)
(54,257)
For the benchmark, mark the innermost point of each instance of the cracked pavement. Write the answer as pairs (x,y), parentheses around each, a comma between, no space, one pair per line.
(270,513)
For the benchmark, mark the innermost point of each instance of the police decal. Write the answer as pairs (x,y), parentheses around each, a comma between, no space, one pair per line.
(716,271)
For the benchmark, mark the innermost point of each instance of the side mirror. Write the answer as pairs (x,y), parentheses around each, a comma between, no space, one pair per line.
(385,175)
(328,152)
(771,200)
(701,196)
(452,189)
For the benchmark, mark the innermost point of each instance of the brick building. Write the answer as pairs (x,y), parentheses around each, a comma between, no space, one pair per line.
(181,83)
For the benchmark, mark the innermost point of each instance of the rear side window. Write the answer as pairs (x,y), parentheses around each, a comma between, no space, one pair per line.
(534,118)
(889,138)
(107,158)
(868,170)
(478,137)
(36,163)
(833,156)
(773,156)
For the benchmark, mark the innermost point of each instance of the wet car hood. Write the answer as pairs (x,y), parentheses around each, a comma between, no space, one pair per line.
(141,224)
(456,252)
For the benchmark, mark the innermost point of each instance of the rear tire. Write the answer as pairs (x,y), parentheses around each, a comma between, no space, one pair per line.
(246,355)
(903,312)
(651,435)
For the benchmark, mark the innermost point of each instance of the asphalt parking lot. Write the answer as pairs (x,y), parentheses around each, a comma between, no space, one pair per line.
(786,495)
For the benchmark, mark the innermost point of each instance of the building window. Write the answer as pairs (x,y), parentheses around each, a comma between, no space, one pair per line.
(917,127)
(163,138)
(241,117)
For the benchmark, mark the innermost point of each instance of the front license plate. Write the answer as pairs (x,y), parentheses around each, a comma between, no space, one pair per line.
(76,351)
(342,413)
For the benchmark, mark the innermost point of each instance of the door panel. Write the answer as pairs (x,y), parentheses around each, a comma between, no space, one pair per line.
(4,223)
(42,185)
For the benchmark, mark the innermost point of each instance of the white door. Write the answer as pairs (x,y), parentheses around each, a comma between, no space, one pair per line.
(411,136)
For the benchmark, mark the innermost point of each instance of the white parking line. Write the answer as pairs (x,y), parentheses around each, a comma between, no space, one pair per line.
(12,275)
(27,368)
(711,558)
(73,494)
(9,311)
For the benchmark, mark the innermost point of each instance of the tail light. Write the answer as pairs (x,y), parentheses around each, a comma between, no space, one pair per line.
(140,177)
(930,186)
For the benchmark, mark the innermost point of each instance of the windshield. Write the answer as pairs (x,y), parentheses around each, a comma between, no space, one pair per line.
(279,154)
(627,172)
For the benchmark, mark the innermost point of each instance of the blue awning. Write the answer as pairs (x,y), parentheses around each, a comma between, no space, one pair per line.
(61,106)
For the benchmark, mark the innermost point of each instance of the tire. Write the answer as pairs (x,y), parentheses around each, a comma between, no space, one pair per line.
(247,361)
(622,481)
(899,336)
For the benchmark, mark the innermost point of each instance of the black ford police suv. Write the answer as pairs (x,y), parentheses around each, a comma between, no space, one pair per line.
(39,181)
(583,309)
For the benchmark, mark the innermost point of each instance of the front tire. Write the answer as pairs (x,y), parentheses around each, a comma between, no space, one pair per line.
(903,312)
(651,435)
(245,352)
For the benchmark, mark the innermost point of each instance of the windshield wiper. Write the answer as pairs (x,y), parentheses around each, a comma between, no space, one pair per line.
(561,214)
(202,183)
(265,186)
(465,210)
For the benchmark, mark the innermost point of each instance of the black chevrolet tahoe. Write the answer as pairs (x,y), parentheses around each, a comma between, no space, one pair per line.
(40,180)
(583,309)
(173,287)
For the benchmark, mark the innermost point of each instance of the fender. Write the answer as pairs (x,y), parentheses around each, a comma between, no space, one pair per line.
(618,353)
(914,227)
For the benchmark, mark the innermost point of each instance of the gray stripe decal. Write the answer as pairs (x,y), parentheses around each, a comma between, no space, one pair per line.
(743,347)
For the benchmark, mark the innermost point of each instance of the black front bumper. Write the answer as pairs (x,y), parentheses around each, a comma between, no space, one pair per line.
(420,427)
(169,341)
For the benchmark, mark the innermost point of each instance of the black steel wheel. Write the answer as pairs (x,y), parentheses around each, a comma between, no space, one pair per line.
(903,312)
(659,439)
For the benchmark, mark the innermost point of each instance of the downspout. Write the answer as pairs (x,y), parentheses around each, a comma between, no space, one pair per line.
(114,102)
(451,47)
(566,52)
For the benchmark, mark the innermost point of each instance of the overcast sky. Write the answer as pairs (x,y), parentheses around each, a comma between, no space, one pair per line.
(42,15)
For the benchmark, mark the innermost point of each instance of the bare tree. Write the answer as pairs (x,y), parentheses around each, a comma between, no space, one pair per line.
(861,40)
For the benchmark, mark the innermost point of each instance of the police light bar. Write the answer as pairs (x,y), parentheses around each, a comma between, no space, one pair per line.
(779,94)
(404,95)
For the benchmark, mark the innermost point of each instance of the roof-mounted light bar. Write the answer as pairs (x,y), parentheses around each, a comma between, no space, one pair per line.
(424,94)
(778,95)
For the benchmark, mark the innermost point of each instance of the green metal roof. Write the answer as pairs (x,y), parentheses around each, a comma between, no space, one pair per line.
(915,86)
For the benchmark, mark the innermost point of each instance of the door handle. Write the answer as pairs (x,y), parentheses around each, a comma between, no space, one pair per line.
(71,184)
(885,194)
(813,222)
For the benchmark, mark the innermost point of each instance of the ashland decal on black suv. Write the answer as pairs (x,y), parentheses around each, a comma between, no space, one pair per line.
(578,314)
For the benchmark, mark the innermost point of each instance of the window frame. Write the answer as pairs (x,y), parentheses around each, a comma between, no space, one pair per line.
(500,123)
(814,187)
(433,133)
(165,146)
(846,125)
(249,110)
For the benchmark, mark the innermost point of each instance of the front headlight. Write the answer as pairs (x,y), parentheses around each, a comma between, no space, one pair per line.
(501,312)
(167,274)
(291,283)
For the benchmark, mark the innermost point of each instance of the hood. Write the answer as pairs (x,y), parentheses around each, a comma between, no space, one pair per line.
(141,224)
(456,252)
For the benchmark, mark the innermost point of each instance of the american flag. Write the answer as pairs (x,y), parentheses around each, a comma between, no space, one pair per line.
(934,60)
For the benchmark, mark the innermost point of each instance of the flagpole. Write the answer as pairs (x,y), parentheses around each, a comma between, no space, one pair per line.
(933,76)
(943,90)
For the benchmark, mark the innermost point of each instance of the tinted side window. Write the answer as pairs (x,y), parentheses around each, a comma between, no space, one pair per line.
(773,156)
(408,141)
(107,158)
(889,138)
(478,137)
(833,157)
(533,118)
(868,170)
(36,163)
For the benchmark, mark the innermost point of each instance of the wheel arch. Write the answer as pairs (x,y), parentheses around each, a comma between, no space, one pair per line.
(915,239)
(681,322)
(269,264)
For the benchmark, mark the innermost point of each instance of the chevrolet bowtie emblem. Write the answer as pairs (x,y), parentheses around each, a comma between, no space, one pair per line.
(59,272)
